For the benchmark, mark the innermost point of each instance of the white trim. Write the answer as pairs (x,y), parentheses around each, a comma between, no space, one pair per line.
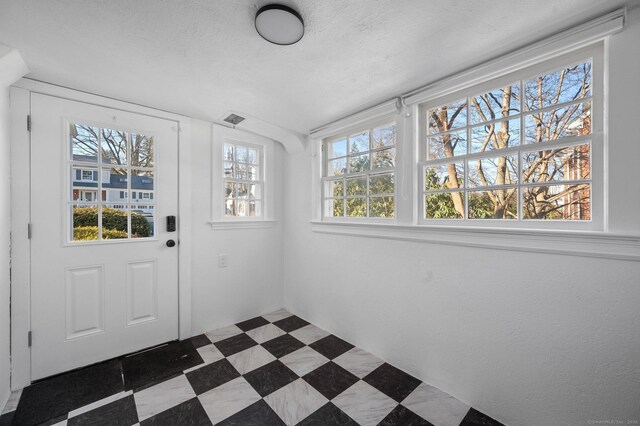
(561,43)
(362,118)
(20,194)
(572,243)
(242,224)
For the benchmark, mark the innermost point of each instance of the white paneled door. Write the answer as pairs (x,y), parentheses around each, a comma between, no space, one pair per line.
(104,260)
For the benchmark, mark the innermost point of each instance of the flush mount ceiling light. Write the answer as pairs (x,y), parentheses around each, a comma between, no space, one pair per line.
(279,24)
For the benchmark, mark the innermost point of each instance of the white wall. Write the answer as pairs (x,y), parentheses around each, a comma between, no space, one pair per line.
(528,338)
(252,283)
(5,203)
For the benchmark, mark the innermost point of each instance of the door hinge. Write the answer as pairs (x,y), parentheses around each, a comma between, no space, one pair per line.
(28,123)
(29,231)
(29,337)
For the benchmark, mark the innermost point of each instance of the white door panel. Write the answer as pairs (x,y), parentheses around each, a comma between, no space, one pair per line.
(104,283)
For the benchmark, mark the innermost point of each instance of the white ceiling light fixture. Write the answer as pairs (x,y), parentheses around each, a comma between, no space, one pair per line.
(279,24)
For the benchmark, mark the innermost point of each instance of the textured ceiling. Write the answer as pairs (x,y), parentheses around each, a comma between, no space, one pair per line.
(203,58)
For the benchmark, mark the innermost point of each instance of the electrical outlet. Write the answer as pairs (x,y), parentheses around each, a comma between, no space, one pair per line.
(222,261)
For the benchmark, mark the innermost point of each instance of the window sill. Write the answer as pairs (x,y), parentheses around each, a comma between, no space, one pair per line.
(242,224)
(573,243)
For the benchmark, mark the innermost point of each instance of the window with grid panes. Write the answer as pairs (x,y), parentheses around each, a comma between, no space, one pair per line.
(359,173)
(521,151)
(243,182)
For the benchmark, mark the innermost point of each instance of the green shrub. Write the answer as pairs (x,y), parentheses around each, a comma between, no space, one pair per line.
(112,219)
(90,233)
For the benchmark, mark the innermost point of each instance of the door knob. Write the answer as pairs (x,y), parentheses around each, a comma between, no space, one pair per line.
(171,243)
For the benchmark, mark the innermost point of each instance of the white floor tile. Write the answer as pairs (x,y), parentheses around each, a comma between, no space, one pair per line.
(223,333)
(228,399)
(358,361)
(277,315)
(265,333)
(163,396)
(250,359)
(304,360)
(295,401)
(309,334)
(100,403)
(436,406)
(365,404)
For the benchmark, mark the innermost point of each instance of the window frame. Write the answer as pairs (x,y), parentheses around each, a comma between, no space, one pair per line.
(260,182)
(368,126)
(597,140)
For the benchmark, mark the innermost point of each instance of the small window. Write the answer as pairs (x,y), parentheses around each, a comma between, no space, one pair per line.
(359,173)
(243,182)
(88,175)
(521,151)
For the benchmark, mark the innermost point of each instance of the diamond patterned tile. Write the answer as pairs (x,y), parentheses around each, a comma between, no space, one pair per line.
(277,315)
(252,323)
(291,323)
(436,406)
(235,344)
(476,418)
(331,346)
(295,401)
(200,340)
(393,382)
(330,379)
(119,412)
(328,415)
(365,404)
(265,333)
(303,360)
(187,413)
(283,345)
(270,378)
(163,396)
(401,416)
(309,334)
(358,362)
(223,333)
(250,359)
(211,376)
(258,414)
(228,399)
(210,353)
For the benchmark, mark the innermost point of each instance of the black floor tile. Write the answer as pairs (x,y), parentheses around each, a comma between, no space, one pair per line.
(402,416)
(7,419)
(258,414)
(118,413)
(476,418)
(211,376)
(283,345)
(252,323)
(56,396)
(271,377)
(393,382)
(328,415)
(189,413)
(235,344)
(291,323)
(331,346)
(330,379)
(153,366)
(200,341)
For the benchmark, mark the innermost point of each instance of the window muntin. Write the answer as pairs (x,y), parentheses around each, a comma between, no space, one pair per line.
(521,151)
(106,166)
(243,183)
(359,173)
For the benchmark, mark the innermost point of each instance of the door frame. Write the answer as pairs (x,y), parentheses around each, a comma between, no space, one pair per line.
(20,108)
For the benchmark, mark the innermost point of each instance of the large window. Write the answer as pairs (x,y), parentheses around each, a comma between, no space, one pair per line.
(243,182)
(359,173)
(519,151)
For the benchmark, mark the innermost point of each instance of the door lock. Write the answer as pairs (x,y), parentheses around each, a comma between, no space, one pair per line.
(171,243)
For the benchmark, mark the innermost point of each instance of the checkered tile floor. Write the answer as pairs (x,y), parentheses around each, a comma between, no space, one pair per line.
(277,369)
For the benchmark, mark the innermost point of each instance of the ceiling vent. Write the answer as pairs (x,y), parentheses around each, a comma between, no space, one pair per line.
(234,119)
